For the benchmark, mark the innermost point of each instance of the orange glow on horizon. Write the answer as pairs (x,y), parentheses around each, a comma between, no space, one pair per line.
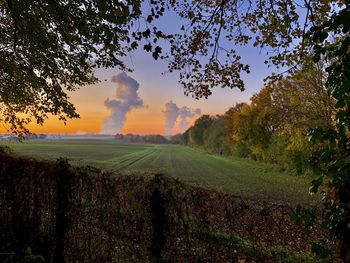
(138,122)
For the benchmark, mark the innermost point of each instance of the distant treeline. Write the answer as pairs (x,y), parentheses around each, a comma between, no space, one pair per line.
(26,136)
(152,138)
(274,127)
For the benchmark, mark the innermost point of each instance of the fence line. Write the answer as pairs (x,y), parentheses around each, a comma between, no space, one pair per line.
(80,214)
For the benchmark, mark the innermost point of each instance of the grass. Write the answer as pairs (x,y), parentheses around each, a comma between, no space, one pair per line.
(238,176)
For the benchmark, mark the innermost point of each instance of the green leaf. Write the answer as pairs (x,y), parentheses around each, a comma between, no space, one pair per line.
(146,33)
(134,45)
(157,52)
(340,104)
(148,47)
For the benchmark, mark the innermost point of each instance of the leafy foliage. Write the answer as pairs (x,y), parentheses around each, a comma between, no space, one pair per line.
(334,160)
(274,126)
(205,50)
(196,133)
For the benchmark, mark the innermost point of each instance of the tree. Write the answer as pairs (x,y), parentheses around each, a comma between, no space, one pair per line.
(204,57)
(334,161)
(197,131)
(155,138)
(215,137)
(251,133)
(50,47)
(302,101)
(275,125)
(229,116)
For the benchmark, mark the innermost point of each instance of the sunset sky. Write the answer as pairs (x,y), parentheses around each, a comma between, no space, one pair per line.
(155,90)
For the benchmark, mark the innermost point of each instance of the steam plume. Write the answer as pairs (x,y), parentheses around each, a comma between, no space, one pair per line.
(184,114)
(170,113)
(126,100)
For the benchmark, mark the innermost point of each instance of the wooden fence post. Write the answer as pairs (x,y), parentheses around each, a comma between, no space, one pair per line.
(62,212)
(158,219)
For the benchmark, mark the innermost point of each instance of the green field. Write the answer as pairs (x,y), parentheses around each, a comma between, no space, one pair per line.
(238,176)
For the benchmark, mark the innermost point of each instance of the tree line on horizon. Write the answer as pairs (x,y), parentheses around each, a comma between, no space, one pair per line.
(136,138)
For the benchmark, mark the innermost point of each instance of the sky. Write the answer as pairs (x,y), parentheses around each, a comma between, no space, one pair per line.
(155,90)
